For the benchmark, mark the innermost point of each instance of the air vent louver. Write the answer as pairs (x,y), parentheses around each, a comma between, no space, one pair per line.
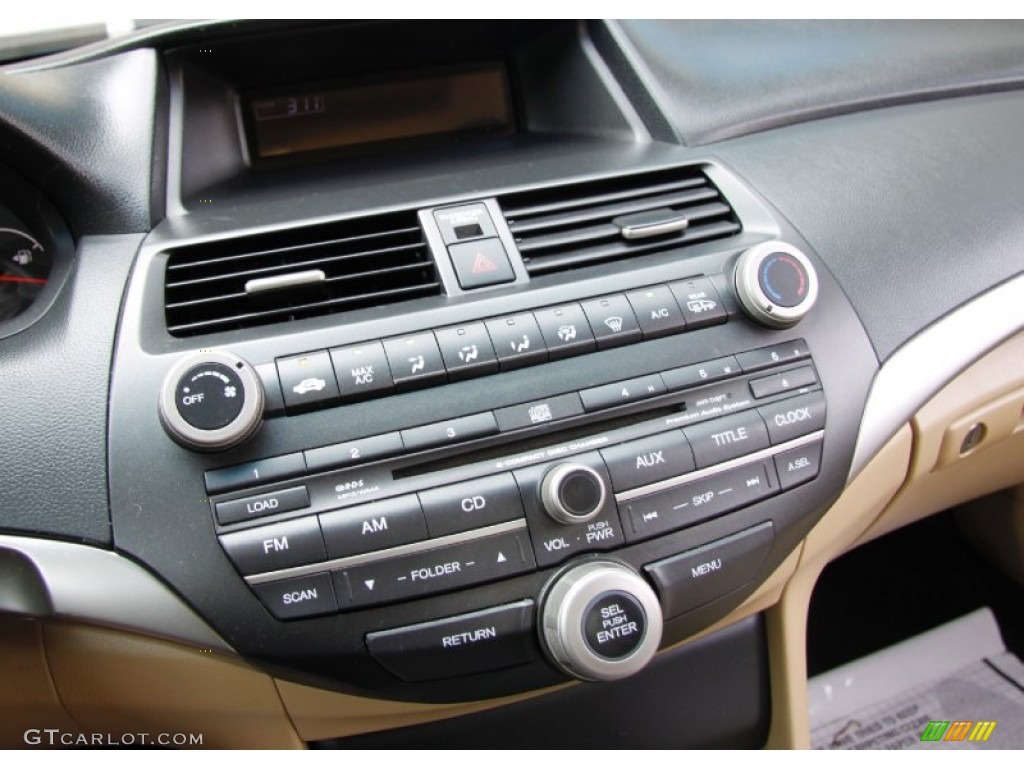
(313,271)
(571,226)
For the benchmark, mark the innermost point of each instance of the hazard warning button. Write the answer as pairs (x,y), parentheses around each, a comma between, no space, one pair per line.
(480,263)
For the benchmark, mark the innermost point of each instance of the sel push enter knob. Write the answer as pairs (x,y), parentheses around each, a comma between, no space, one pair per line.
(601,621)
(776,283)
(211,401)
(573,493)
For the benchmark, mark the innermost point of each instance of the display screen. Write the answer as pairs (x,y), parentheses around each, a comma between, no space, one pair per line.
(361,114)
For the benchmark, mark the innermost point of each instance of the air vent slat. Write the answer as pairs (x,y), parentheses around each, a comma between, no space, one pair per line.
(654,189)
(181,264)
(606,212)
(365,262)
(572,226)
(304,310)
(586,256)
(296,266)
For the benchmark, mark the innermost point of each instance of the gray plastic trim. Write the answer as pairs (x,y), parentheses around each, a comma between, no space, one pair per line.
(925,364)
(45,579)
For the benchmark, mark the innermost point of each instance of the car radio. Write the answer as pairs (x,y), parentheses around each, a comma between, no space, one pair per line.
(527,481)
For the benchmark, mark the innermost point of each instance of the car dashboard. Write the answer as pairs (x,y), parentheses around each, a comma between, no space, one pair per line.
(376,384)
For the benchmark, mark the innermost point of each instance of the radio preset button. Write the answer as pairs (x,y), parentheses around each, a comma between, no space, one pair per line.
(701,373)
(622,392)
(777,354)
(354,451)
(655,458)
(783,382)
(255,473)
(656,311)
(566,331)
(798,465)
(277,546)
(517,341)
(362,370)
(612,321)
(271,503)
(307,381)
(699,301)
(369,527)
(298,598)
(450,431)
(727,438)
(467,351)
(474,504)
(414,360)
(483,641)
(797,416)
(437,570)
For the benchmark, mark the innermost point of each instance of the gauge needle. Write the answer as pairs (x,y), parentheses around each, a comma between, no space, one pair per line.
(31,280)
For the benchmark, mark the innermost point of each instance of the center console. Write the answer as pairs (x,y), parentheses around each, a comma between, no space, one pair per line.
(509,429)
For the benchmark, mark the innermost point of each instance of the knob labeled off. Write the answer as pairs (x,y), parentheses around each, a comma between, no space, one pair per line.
(776,284)
(211,401)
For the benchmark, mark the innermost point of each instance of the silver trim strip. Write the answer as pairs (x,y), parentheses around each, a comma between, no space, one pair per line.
(280,282)
(58,579)
(750,458)
(387,554)
(651,229)
(925,364)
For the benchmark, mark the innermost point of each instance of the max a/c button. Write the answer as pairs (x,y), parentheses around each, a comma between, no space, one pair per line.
(496,638)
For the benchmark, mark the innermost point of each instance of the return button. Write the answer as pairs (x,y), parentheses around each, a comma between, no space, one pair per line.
(483,641)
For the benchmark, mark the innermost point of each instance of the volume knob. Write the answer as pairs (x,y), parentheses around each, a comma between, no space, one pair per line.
(211,401)
(776,284)
(573,493)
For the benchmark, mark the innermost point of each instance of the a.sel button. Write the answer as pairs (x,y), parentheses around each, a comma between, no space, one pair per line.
(695,578)
(797,416)
(496,638)
(370,527)
(438,570)
(272,547)
(272,503)
(298,598)
(798,465)
(654,458)
(698,500)
(474,504)
(722,439)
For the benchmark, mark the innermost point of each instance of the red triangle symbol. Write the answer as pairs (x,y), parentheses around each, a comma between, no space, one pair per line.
(482,264)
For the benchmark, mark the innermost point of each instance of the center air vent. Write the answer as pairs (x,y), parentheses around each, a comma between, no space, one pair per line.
(288,275)
(576,225)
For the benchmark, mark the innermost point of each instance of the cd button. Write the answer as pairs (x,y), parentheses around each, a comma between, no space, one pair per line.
(478,503)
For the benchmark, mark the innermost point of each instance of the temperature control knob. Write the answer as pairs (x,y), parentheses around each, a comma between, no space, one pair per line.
(600,621)
(776,283)
(211,401)
(573,493)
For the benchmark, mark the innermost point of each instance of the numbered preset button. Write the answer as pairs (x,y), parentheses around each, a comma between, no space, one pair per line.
(354,451)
